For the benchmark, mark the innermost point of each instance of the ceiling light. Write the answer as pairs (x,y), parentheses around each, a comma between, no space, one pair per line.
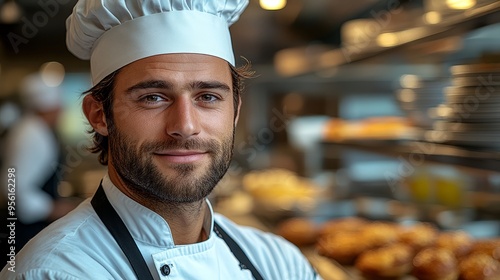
(432,17)
(10,12)
(272,4)
(52,73)
(387,39)
(460,4)
(409,81)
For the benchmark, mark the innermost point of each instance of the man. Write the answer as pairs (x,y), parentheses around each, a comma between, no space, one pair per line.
(163,110)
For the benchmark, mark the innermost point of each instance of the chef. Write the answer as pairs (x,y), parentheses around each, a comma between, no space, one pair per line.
(163,109)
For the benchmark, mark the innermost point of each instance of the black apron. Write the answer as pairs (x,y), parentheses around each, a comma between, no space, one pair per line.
(120,233)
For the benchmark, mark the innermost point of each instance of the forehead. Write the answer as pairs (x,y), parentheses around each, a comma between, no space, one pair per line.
(177,68)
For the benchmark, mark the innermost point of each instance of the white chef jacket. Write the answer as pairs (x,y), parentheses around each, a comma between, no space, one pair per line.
(78,246)
(32,149)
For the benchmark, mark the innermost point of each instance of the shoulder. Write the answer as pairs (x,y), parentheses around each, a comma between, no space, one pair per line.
(66,249)
(28,132)
(30,126)
(274,256)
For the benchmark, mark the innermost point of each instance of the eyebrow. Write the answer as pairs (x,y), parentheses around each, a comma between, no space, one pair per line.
(150,84)
(209,85)
(160,84)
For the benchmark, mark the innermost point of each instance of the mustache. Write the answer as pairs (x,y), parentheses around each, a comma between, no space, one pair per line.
(210,146)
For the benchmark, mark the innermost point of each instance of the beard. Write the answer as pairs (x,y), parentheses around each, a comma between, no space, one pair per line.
(134,164)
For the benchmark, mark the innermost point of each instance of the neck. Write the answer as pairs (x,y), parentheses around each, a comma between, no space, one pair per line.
(185,220)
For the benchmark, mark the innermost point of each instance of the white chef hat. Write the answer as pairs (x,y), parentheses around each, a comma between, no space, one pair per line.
(114,33)
(38,95)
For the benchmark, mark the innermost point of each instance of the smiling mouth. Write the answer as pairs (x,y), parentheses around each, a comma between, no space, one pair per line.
(181,156)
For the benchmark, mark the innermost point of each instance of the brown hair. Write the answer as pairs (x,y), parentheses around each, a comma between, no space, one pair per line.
(103,92)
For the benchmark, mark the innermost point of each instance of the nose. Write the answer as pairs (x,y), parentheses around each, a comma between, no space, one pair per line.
(182,119)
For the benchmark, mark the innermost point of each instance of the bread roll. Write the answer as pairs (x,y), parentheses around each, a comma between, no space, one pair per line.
(435,263)
(347,224)
(487,246)
(419,236)
(459,242)
(343,247)
(479,266)
(388,262)
(299,231)
(378,234)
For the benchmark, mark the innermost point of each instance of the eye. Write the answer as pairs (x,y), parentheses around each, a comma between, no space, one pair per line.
(152,98)
(208,98)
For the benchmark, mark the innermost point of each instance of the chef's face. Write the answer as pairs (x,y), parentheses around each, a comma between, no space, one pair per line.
(172,132)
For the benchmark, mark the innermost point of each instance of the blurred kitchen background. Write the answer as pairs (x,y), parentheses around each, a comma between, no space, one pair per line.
(381,109)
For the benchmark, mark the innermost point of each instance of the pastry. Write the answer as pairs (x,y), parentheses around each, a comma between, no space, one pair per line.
(378,234)
(299,231)
(459,242)
(388,262)
(347,224)
(419,236)
(343,247)
(487,246)
(435,263)
(479,266)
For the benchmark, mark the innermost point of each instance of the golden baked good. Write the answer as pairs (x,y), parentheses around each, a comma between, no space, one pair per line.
(378,234)
(276,183)
(489,246)
(479,266)
(388,262)
(459,242)
(383,127)
(419,236)
(343,247)
(280,189)
(347,224)
(435,263)
(299,231)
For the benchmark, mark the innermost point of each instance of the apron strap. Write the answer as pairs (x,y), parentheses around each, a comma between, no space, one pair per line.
(245,263)
(121,234)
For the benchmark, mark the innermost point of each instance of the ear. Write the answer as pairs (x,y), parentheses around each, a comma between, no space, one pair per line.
(94,112)
(237,112)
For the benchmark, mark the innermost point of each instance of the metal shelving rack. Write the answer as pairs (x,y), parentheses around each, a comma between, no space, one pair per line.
(479,159)
(451,25)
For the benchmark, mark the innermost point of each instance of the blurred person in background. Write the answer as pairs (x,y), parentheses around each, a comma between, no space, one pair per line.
(32,147)
(10,112)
